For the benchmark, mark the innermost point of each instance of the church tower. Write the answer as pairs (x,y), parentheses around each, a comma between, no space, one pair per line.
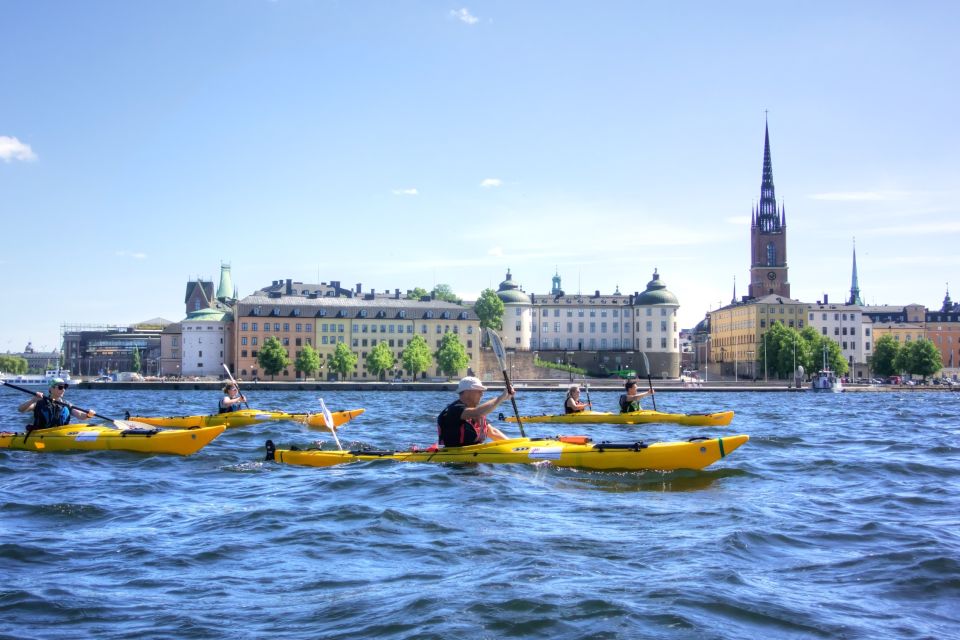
(855,284)
(768,236)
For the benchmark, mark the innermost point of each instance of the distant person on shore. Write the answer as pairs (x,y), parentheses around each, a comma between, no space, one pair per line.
(572,402)
(52,410)
(464,421)
(232,398)
(630,401)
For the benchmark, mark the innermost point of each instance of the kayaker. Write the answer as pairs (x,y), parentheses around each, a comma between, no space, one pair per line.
(464,421)
(232,398)
(52,410)
(572,402)
(630,401)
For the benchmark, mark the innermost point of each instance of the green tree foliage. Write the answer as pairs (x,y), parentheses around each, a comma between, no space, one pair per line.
(445,292)
(273,357)
(416,357)
(451,357)
(308,361)
(416,293)
(489,308)
(920,357)
(380,360)
(343,360)
(884,359)
(135,366)
(13,364)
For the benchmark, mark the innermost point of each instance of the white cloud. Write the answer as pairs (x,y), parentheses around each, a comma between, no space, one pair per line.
(13,149)
(490,183)
(738,220)
(496,252)
(138,255)
(920,229)
(463,15)
(406,192)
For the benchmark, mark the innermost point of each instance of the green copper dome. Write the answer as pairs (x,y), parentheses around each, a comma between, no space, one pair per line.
(509,291)
(656,293)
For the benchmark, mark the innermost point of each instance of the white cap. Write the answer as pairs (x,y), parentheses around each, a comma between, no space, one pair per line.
(470,383)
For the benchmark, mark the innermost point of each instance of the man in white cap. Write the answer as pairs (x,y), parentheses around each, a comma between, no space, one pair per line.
(464,421)
(52,410)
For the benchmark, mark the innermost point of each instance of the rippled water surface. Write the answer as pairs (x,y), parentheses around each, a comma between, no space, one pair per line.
(839,519)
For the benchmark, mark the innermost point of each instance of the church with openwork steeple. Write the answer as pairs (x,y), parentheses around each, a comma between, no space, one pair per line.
(768,236)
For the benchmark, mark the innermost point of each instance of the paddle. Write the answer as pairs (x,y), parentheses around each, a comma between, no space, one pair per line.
(123,424)
(646,363)
(229,375)
(498,351)
(328,418)
(587,387)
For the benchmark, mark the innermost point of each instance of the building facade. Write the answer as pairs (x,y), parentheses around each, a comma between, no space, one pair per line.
(324,316)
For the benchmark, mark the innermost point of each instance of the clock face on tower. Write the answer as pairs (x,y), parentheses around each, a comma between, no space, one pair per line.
(771,275)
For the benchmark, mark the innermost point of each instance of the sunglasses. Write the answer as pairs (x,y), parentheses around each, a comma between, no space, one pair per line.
(61,386)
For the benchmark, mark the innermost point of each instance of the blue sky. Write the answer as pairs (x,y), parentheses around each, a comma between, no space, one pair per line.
(404,144)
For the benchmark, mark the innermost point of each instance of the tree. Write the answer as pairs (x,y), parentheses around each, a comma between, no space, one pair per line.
(885,351)
(13,364)
(445,292)
(784,346)
(489,308)
(343,360)
(417,293)
(920,357)
(380,360)
(308,361)
(416,356)
(273,358)
(135,366)
(451,357)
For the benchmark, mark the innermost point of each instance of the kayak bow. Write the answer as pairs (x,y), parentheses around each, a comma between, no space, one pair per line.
(576,452)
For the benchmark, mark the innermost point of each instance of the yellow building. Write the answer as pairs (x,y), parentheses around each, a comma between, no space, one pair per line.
(736,332)
(902,332)
(300,315)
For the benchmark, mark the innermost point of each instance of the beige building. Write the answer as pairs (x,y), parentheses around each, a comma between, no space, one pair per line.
(323,316)
(737,330)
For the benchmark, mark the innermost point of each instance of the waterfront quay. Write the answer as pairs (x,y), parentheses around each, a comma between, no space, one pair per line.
(662,386)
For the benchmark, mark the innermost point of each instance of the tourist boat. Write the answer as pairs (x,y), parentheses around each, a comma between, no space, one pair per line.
(36,381)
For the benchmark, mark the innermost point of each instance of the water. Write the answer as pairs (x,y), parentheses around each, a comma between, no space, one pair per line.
(839,519)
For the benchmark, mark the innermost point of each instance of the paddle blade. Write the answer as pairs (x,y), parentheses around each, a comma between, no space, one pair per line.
(497,345)
(646,363)
(328,418)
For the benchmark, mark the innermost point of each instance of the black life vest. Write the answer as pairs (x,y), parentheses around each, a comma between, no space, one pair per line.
(628,407)
(47,413)
(453,431)
(227,409)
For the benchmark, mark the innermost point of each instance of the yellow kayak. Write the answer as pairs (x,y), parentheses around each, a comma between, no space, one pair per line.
(564,451)
(718,419)
(89,437)
(247,417)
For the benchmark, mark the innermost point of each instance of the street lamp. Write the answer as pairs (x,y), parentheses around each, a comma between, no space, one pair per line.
(765,357)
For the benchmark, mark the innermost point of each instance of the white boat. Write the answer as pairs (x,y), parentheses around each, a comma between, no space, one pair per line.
(826,380)
(36,381)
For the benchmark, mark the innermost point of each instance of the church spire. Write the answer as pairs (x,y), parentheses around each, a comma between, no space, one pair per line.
(768,218)
(734,299)
(947,303)
(855,285)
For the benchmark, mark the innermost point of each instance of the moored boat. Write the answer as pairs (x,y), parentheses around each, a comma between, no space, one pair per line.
(89,437)
(564,451)
(38,382)
(247,417)
(644,416)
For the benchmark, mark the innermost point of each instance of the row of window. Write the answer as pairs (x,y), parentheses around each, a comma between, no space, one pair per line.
(357,328)
(363,313)
(836,316)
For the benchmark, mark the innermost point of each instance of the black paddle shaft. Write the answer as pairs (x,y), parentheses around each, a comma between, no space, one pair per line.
(66,404)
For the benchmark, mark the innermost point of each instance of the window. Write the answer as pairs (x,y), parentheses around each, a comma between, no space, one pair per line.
(253,326)
(286,326)
(299,326)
